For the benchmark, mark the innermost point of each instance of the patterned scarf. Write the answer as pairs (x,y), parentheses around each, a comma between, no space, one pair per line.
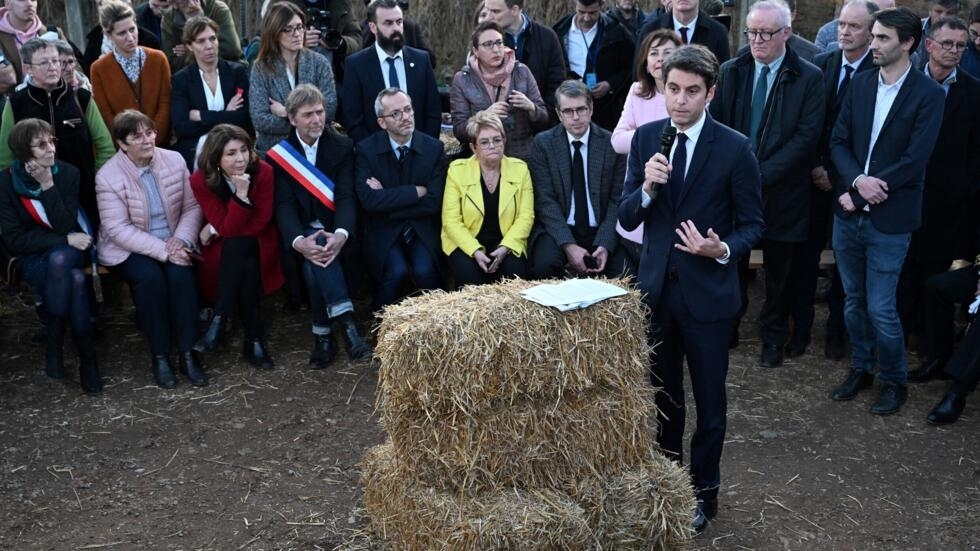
(131,66)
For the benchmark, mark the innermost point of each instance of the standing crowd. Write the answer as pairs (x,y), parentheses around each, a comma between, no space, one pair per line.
(206,171)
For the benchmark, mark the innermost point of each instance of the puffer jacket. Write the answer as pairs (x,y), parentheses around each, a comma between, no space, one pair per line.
(469,96)
(124,207)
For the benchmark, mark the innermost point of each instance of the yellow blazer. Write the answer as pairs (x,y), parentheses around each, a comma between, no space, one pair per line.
(462,206)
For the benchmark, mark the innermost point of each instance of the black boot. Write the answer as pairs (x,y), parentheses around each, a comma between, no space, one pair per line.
(357,349)
(163,372)
(213,336)
(88,365)
(191,368)
(324,351)
(54,358)
(255,353)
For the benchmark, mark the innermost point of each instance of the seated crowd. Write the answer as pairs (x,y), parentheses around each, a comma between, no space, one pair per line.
(200,179)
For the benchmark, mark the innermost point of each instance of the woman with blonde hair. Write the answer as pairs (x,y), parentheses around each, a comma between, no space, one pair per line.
(487,208)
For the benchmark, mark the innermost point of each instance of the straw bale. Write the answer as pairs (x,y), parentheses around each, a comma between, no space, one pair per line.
(647,507)
(410,516)
(458,352)
(527,443)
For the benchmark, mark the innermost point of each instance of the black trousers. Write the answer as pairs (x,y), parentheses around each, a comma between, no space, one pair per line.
(679,335)
(548,260)
(467,272)
(910,295)
(166,301)
(804,312)
(783,265)
(942,292)
(240,283)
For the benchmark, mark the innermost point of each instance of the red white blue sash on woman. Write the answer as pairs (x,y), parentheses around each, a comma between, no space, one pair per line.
(35,209)
(314,181)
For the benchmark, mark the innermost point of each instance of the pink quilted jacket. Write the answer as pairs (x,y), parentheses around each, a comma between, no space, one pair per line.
(124,206)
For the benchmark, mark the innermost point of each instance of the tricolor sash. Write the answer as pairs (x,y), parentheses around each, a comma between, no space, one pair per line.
(35,209)
(314,181)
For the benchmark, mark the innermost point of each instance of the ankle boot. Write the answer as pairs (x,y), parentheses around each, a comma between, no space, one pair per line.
(88,365)
(256,354)
(54,359)
(163,372)
(357,349)
(191,367)
(324,351)
(213,336)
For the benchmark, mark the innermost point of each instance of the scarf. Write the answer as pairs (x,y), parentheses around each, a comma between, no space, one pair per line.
(24,184)
(131,66)
(496,79)
(20,36)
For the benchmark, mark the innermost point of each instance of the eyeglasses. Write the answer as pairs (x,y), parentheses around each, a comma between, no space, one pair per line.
(492,44)
(144,136)
(67,62)
(293,29)
(399,114)
(570,112)
(765,36)
(974,34)
(46,63)
(951,45)
(44,144)
(493,143)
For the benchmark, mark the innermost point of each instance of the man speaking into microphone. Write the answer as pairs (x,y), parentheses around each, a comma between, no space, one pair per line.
(702,209)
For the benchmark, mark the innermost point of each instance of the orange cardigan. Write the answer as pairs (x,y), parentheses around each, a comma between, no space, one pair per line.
(150,94)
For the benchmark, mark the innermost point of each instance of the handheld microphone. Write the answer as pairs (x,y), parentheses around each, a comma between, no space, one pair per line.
(667,138)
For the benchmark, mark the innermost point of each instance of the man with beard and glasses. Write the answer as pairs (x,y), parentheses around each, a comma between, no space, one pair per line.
(389,64)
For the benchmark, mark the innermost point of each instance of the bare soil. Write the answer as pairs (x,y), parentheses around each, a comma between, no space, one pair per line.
(269,460)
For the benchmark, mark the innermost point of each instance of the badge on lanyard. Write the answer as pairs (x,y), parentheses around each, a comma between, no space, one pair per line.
(590,80)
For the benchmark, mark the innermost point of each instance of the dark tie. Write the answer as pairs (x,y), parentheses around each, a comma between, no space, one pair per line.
(392,74)
(684,35)
(402,151)
(408,234)
(678,166)
(579,192)
(758,104)
(848,70)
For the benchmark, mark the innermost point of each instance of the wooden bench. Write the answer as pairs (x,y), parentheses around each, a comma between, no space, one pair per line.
(826,259)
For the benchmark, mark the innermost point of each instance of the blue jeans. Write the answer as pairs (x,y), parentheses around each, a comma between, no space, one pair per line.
(328,291)
(870,262)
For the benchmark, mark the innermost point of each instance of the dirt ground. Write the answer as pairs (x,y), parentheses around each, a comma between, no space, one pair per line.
(269,460)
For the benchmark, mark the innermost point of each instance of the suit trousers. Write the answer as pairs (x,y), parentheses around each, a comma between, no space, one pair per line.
(466,271)
(548,260)
(678,335)
(964,366)
(910,297)
(942,292)
(783,264)
(165,295)
(804,312)
(870,262)
(404,261)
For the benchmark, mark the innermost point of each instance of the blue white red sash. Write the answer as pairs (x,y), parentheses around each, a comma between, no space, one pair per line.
(35,209)
(314,181)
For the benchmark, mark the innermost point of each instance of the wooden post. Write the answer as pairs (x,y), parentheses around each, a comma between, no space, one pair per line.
(77,12)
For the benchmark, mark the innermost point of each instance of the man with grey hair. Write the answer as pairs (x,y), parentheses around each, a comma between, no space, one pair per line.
(399,177)
(316,211)
(776,98)
(826,38)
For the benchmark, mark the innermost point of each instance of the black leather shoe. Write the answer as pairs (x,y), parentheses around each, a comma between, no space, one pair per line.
(948,410)
(324,351)
(256,354)
(930,368)
(357,349)
(706,510)
(833,348)
(890,398)
(88,364)
(795,349)
(163,372)
(190,366)
(855,382)
(772,356)
(212,337)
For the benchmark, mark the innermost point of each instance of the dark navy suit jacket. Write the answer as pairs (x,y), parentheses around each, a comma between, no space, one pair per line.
(363,80)
(723,191)
(386,211)
(901,152)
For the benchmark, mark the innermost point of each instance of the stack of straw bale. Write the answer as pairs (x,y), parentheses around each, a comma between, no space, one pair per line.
(515,426)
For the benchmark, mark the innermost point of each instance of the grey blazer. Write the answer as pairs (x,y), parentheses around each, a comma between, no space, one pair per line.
(312,68)
(551,175)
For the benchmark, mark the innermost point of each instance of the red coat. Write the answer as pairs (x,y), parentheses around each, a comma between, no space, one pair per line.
(233,218)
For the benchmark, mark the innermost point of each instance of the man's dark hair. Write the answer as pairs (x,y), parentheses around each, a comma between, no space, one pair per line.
(695,59)
(375,4)
(587,2)
(953,6)
(949,22)
(975,14)
(904,21)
